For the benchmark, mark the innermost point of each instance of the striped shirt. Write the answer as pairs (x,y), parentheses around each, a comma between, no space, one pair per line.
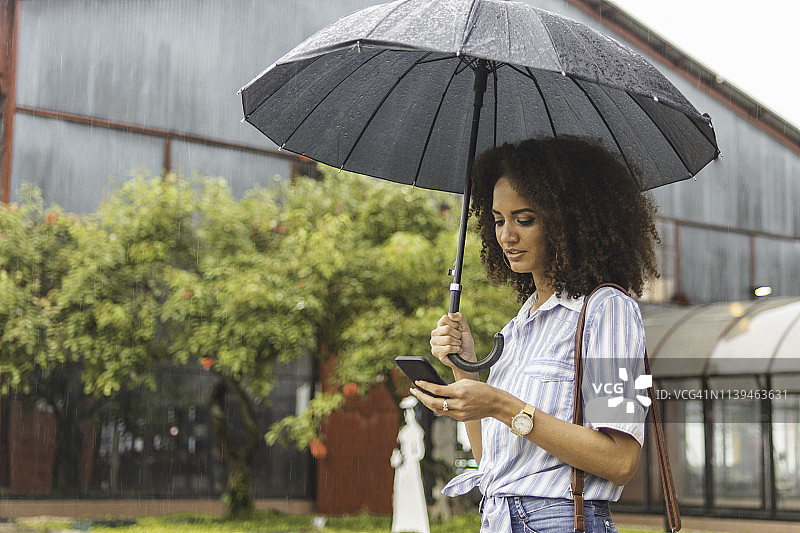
(537,367)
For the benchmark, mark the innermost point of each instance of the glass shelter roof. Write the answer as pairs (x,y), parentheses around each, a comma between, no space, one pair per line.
(724,338)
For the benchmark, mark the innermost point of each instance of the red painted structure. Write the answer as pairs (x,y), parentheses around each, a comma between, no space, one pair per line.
(355,475)
(27,468)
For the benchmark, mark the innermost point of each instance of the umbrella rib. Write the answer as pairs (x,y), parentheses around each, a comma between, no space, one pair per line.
(265,98)
(519,71)
(464,63)
(683,162)
(552,42)
(434,60)
(433,123)
(494,77)
(608,127)
(465,34)
(378,107)
(386,16)
(544,102)
(708,137)
(508,29)
(326,97)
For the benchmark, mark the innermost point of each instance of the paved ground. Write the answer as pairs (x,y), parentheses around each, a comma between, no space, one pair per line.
(693,524)
(690,525)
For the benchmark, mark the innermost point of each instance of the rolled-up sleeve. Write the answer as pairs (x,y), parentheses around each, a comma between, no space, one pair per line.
(613,355)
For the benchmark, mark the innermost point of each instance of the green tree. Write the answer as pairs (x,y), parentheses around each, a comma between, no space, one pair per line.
(34,246)
(239,311)
(176,271)
(107,313)
(376,254)
(111,301)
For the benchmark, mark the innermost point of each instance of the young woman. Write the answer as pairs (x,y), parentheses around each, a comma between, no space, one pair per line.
(556,219)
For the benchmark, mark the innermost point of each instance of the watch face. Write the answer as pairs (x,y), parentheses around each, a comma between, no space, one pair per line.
(522,424)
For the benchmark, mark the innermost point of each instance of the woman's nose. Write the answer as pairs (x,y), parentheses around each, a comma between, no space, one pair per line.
(507,234)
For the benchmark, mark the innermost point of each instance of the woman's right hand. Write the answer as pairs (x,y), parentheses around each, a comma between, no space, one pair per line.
(452,335)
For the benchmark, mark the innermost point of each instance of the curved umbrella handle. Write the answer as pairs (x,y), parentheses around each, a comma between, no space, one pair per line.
(484,363)
(481,76)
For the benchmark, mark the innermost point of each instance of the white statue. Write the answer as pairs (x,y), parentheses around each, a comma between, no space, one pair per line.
(410,511)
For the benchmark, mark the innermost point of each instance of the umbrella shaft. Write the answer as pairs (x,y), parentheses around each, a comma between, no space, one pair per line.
(481,76)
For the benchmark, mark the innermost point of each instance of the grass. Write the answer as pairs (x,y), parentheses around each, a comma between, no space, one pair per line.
(262,522)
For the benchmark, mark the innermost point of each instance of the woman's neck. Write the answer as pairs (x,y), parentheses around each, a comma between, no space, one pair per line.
(544,291)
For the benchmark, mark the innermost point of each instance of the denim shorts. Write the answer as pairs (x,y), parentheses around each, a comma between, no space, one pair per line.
(531,514)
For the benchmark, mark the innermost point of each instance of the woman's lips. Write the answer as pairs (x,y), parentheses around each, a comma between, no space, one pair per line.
(514,255)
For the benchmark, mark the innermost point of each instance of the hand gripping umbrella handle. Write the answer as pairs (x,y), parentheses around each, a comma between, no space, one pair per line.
(484,363)
(481,75)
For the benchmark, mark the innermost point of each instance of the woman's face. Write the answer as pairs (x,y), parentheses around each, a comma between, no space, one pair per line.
(519,230)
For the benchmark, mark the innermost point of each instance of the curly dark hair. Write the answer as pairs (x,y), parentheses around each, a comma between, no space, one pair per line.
(599,224)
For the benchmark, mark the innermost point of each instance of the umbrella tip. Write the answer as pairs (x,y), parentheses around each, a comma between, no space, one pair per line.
(243,120)
(655,98)
(280,148)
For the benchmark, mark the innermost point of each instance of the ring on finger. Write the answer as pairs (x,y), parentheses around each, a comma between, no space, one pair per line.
(444,406)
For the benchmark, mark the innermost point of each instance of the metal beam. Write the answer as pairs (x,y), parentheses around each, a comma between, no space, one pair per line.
(9,22)
(98,122)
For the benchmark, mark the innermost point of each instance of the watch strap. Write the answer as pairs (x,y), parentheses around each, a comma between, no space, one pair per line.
(529,410)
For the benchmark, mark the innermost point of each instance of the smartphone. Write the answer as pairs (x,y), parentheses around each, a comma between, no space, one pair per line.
(416,367)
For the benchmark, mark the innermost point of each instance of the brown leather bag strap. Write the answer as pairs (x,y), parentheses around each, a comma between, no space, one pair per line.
(576,489)
(667,485)
(673,511)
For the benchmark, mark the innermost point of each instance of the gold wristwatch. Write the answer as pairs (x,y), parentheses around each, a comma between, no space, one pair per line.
(522,423)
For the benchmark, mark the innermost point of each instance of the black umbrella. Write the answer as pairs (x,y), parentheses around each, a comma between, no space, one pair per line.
(408,91)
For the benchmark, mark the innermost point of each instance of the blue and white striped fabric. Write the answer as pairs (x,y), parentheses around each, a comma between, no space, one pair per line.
(537,367)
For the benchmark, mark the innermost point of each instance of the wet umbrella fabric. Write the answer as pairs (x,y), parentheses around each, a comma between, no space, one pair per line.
(387,92)
(391,91)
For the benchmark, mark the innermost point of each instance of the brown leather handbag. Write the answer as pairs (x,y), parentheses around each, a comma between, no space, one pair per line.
(673,512)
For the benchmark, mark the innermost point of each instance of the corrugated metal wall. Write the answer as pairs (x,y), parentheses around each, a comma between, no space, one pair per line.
(177,64)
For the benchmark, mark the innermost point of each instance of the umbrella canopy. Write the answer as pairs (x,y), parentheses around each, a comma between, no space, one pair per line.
(388,92)
(408,91)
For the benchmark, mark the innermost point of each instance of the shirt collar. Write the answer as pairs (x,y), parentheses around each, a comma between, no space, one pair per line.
(573,304)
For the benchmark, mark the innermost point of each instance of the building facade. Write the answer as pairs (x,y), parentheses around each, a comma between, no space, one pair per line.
(90,90)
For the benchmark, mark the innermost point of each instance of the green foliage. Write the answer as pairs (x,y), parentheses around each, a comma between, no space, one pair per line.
(302,429)
(243,303)
(274,522)
(33,247)
(376,256)
(177,271)
(111,301)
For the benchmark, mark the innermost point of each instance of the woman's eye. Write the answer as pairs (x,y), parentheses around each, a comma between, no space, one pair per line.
(498,222)
(526,222)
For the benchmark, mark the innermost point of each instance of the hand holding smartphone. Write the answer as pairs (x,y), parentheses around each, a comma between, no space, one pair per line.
(419,368)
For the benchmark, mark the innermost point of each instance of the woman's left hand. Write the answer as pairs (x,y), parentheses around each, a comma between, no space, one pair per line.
(467,399)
